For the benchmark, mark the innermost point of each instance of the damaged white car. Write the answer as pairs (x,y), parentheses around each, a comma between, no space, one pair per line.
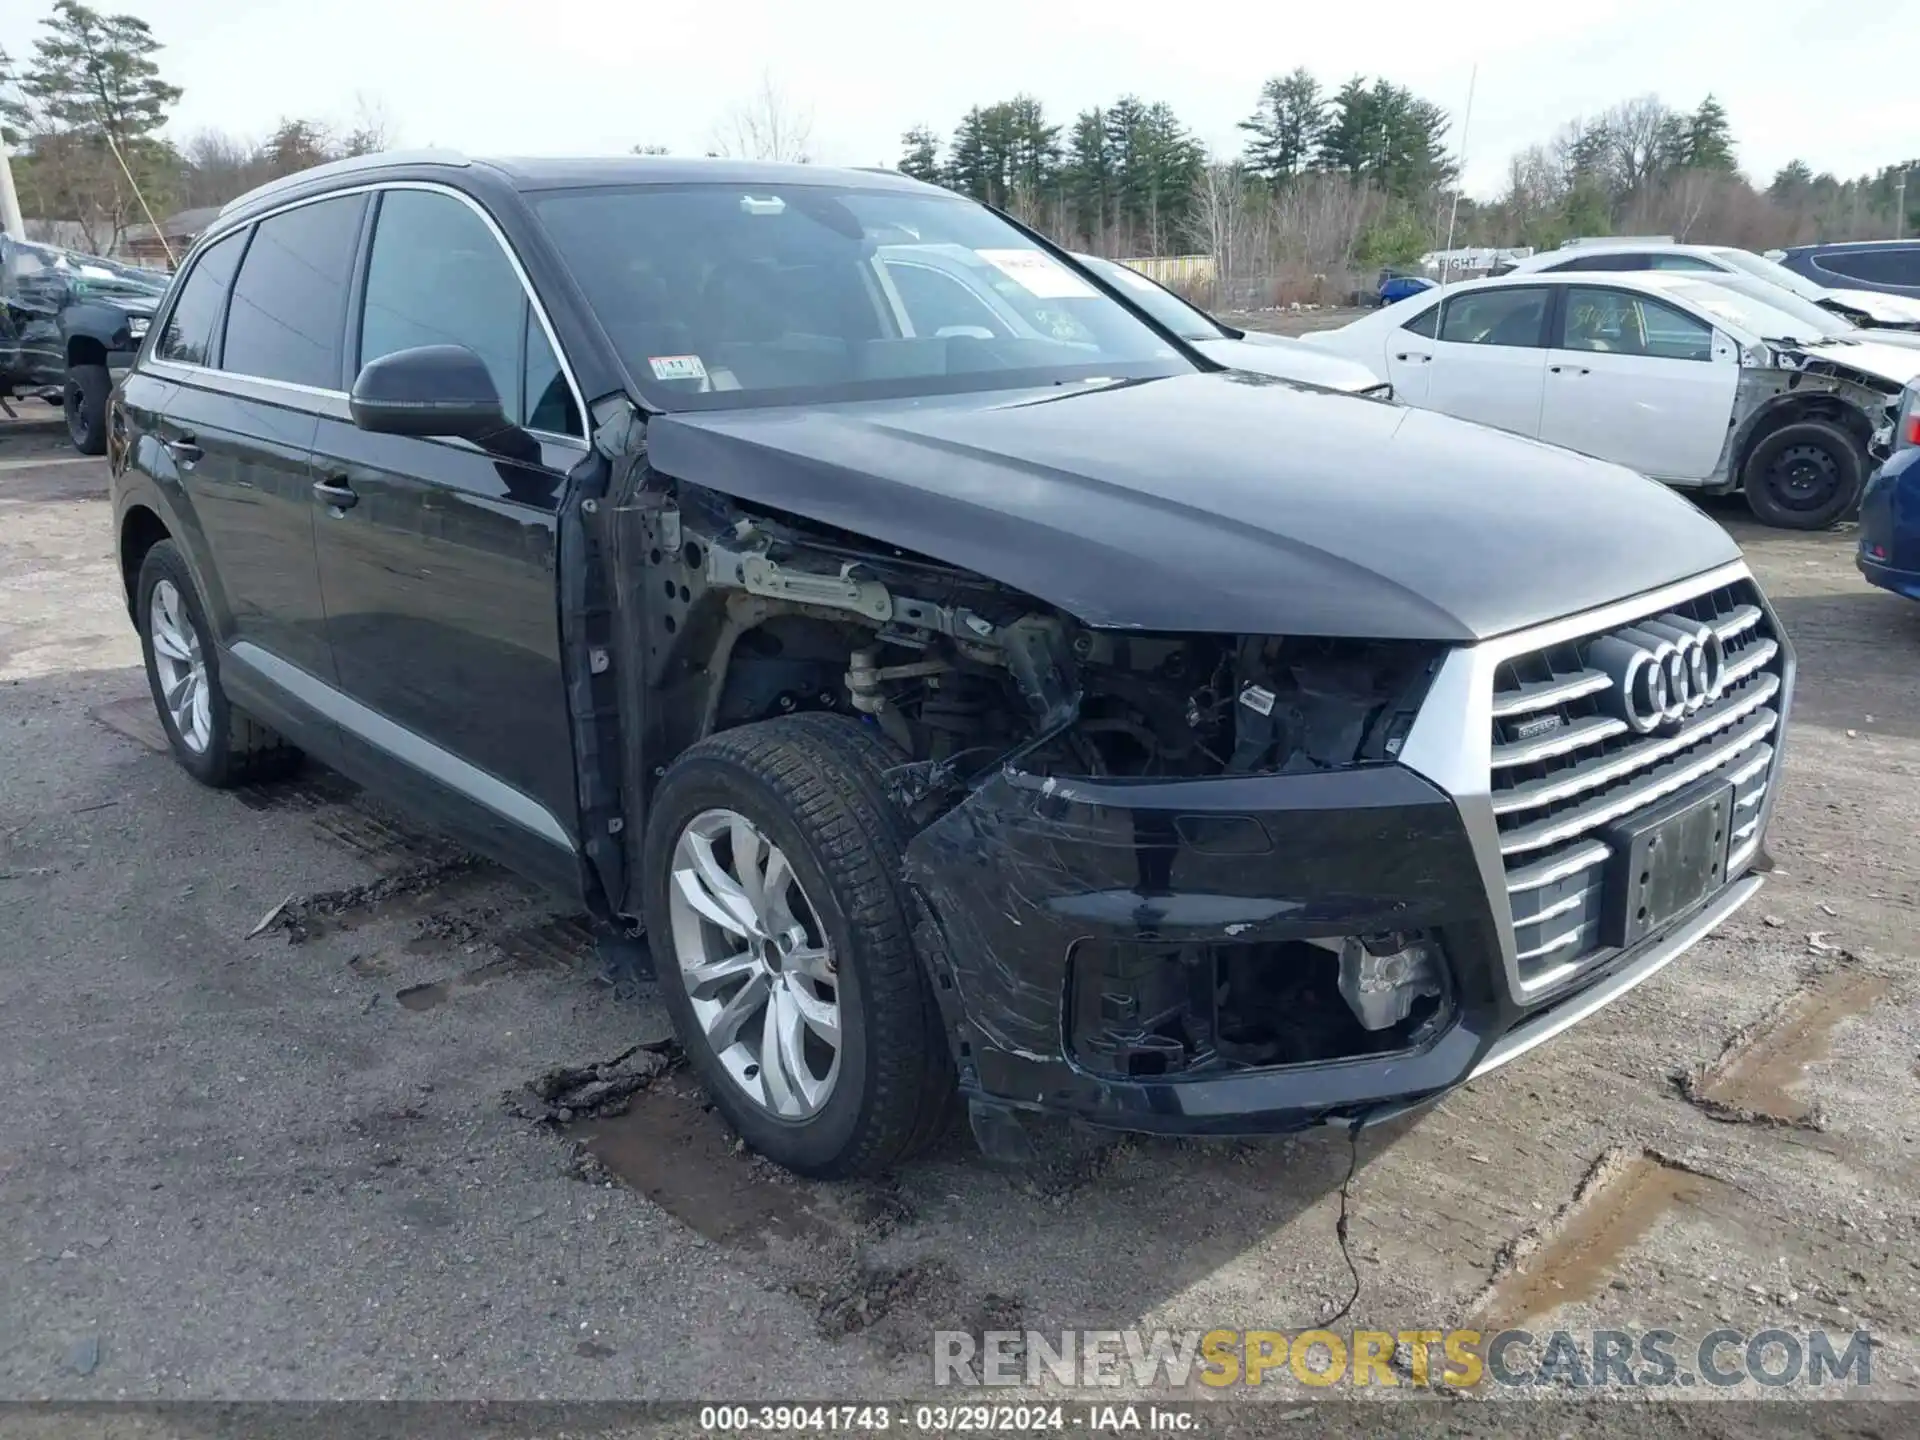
(1690,382)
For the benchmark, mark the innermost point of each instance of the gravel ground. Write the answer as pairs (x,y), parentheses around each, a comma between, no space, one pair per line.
(301,1160)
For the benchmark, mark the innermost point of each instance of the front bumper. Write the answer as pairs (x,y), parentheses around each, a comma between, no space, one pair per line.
(1019,879)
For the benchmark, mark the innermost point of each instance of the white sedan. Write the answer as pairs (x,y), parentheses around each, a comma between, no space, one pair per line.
(1690,382)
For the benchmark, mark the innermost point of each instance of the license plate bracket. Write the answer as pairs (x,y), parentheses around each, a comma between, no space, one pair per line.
(1667,859)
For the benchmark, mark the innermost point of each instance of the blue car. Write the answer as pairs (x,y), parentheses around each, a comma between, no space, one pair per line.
(1398,287)
(1890,510)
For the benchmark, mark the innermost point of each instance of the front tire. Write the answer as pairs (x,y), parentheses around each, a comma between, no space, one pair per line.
(84,398)
(1804,476)
(782,942)
(215,743)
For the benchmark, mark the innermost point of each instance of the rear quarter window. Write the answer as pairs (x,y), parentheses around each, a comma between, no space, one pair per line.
(187,337)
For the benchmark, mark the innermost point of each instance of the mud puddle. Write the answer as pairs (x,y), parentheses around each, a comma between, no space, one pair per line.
(1754,1080)
(670,1147)
(1623,1199)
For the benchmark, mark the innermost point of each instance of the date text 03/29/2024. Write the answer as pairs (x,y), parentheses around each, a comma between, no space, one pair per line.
(948,1419)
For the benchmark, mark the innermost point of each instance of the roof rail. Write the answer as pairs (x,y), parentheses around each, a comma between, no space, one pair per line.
(352,165)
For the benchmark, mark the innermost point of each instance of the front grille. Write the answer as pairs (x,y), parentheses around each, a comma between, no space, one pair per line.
(1567,765)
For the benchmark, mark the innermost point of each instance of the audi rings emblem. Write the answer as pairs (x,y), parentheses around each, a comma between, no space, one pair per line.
(1663,670)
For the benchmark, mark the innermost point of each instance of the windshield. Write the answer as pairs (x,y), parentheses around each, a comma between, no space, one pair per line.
(721,295)
(1162,304)
(1762,268)
(1764,316)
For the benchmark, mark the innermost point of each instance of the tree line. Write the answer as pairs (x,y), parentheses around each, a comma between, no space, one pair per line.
(1331,182)
(1131,176)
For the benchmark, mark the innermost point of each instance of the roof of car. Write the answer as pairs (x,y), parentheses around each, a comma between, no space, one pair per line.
(541,173)
(1907,244)
(1631,279)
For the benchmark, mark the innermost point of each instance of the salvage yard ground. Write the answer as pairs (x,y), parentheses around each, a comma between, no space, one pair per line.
(282,1115)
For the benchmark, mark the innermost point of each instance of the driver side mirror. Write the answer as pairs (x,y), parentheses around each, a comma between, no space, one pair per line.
(430,390)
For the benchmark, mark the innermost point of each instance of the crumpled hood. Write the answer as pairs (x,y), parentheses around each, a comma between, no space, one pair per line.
(1881,308)
(1896,364)
(1224,503)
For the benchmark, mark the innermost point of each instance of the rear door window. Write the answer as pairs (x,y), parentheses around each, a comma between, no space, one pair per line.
(289,301)
(1514,317)
(188,335)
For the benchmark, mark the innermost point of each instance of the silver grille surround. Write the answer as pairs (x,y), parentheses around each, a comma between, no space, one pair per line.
(1454,744)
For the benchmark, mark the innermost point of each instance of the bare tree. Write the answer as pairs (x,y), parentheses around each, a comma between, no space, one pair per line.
(372,128)
(1218,220)
(766,126)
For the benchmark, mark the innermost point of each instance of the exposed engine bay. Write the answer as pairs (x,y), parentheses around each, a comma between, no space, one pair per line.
(757,615)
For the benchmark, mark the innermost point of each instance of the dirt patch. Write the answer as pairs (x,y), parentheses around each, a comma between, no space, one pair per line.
(867,1294)
(676,1151)
(1619,1202)
(1753,1080)
(135,718)
(599,1090)
(412,890)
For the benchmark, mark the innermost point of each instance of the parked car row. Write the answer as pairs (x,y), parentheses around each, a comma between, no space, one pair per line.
(1701,384)
(974,689)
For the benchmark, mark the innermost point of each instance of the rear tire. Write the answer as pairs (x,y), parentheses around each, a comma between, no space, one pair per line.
(1804,476)
(84,398)
(215,743)
(810,787)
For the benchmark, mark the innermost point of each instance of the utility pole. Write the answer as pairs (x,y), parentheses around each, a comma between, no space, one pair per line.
(10,222)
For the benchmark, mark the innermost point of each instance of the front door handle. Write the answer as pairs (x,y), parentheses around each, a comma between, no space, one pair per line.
(185,453)
(336,493)
(1568,370)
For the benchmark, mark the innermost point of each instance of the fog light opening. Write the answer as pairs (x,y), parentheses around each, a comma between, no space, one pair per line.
(1383,976)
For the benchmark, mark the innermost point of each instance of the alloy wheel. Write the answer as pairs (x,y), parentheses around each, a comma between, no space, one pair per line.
(756,962)
(181,666)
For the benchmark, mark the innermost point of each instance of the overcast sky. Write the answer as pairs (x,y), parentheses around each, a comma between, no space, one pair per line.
(547,77)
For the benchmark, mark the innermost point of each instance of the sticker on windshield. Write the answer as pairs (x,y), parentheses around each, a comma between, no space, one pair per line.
(1038,274)
(677,367)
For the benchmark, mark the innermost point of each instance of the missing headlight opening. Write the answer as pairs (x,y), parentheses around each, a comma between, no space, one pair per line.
(964,676)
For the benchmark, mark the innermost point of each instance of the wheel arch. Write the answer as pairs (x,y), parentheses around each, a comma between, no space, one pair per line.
(84,349)
(1791,409)
(141,528)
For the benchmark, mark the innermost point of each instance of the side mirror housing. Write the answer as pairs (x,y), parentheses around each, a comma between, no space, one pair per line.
(442,390)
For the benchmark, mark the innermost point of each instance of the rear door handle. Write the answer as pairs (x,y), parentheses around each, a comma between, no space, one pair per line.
(1413,355)
(336,493)
(185,453)
(1568,370)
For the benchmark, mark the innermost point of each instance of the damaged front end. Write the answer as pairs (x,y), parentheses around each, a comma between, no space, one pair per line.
(1780,382)
(1162,881)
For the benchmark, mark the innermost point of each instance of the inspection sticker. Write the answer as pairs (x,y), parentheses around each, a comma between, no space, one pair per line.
(677,367)
(1038,274)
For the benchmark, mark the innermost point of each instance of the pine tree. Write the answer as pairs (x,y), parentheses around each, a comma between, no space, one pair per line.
(920,154)
(1284,131)
(1709,138)
(1347,141)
